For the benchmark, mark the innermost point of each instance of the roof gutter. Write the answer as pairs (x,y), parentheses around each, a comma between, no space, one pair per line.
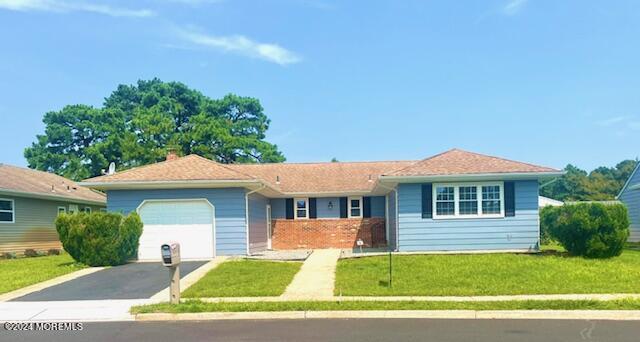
(470,177)
(50,197)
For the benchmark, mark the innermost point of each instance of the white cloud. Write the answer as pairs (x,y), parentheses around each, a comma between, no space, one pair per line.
(513,7)
(244,46)
(612,121)
(71,6)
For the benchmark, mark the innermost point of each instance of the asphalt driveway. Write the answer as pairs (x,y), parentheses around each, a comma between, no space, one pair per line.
(131,281)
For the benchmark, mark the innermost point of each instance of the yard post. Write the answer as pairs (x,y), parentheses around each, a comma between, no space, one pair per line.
(390,271)
(174,288)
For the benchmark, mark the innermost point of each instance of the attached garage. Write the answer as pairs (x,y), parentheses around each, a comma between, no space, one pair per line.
(189,222)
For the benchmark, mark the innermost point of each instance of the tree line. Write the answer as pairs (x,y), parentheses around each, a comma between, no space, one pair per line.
(601,184)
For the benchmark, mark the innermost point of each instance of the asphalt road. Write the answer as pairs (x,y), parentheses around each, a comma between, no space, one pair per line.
(352,330)
(131,281)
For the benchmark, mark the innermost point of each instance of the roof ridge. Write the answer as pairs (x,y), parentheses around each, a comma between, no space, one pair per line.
(222,165)
(329,162)
(425,159)
(506,159)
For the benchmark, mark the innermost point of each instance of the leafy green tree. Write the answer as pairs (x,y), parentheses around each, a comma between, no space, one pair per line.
(139,123)
(601,184)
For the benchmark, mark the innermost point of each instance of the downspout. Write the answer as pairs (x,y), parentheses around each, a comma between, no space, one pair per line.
(395,248)
(246,214)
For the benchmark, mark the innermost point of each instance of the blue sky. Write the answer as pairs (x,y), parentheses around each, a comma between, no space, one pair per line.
(548,82)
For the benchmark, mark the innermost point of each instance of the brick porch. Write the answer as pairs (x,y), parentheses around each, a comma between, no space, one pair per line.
(328,233)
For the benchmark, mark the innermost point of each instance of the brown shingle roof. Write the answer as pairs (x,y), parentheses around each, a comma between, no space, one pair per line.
(18,179)
(455,162)
(321,177)
(340,177)
(191,167)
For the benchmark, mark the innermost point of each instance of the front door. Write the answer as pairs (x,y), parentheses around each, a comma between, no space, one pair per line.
(269,232)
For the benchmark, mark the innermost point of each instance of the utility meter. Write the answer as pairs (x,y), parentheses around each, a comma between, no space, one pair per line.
(170,254)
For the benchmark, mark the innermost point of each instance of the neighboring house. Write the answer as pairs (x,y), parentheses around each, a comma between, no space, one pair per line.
(630,195)
(453,201)
(546,201)
(30,201)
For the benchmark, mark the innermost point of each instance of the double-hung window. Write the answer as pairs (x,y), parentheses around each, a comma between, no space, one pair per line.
(86,210)
(355,207)
(7,211)
(468,200)
(301,208)
(62,210)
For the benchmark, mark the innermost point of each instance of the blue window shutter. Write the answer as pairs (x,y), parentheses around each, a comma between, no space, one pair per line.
(366,206)
(509,199)
(343,207)
(313,211)
(427,200)
(288,204)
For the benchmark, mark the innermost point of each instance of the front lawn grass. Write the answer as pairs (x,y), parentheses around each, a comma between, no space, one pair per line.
(245,278)
(18,273)
(488,274)
(198,306)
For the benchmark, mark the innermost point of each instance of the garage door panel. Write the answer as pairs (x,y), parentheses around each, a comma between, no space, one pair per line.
(188,222)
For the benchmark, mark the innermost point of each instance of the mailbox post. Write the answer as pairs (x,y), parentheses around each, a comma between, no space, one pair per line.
(171,258)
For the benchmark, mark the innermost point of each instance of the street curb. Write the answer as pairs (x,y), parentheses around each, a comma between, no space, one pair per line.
(48,283)
(599,297)
(622,315)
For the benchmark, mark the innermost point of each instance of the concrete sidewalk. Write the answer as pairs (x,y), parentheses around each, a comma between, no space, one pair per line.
(75,310)
(316,277)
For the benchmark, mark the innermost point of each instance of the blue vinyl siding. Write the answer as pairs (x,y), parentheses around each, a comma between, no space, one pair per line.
(257,223)
(392,220)
(278,210)
(229,206)
(418,234)
(322,205)
(631,198)
(377,206)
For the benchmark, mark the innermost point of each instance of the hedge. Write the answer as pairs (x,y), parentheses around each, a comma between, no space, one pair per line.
(592,230)
(99,238)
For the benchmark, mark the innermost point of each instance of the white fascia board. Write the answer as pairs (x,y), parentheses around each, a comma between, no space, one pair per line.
(190,184)
(52,197)
(326,194)
(471,177)
(626,184)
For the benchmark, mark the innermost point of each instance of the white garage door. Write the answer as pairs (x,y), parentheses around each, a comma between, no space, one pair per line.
(189,222)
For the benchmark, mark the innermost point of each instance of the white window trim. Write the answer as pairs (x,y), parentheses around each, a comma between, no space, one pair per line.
(84,210)
(306,208)
(12,211)
(73,209)
(456,200)
(359,198)
(64,210)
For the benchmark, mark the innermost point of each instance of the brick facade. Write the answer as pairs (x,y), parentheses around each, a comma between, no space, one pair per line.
(328,233)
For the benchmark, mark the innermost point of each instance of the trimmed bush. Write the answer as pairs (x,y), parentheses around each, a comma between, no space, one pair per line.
(30,253)
(53,251)
(548,217)
(9,255)
(99,238)
(592,230)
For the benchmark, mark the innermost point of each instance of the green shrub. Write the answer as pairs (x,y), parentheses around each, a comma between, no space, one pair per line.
(592,230)
(9,255)
(548,217)
(30,253)
(99,238)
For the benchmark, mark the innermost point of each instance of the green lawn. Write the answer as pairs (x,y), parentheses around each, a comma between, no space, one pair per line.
(18,273)
(245,278)
(488,274)
(198,306)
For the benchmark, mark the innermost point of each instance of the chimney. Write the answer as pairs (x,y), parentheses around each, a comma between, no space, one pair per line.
(171,155)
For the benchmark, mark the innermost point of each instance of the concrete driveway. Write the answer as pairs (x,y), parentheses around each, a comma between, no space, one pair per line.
(130,281)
